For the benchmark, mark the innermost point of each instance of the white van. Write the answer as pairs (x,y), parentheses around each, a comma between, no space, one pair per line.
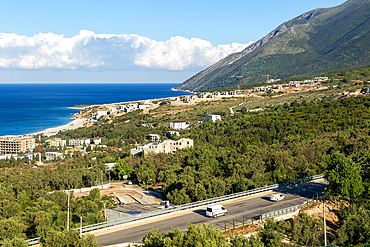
(215,210)
(276,197)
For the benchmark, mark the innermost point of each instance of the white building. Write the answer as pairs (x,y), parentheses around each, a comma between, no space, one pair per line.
(100,114)
(167,146)
(143,106)
(111,110)
(97,140)
(214,118)
(154,137)
(56,142)
(79,142)
(54,155)
(178,125)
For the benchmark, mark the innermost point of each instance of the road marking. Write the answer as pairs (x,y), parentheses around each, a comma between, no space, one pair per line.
(149,230)
(213,221)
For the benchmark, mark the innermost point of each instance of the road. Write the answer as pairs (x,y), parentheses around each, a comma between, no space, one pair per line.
(248,207)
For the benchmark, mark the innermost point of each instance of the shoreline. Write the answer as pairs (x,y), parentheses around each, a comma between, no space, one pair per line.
(80,122)
(186,91)
(74,124)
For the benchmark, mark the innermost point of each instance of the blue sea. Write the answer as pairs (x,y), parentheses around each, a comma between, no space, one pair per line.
(24,108)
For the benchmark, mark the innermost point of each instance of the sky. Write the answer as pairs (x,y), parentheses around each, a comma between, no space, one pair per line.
(131,41)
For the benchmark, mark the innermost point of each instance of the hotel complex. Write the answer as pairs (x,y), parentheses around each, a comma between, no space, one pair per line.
(16,144)
(167,146)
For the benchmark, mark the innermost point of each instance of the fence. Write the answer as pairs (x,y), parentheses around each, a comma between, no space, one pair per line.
(191,205)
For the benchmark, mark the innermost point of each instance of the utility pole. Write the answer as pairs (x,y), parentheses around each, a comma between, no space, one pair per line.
(101,174)
(68,211)
(80,224)
(240,80)
(105,214)
(323,206)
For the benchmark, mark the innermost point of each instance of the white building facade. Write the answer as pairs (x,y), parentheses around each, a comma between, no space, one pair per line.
(178,125)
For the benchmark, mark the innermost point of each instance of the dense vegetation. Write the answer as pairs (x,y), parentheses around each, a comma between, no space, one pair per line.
(296,135)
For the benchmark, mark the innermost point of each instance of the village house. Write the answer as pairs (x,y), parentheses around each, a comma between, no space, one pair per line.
(97,140)
(154,137)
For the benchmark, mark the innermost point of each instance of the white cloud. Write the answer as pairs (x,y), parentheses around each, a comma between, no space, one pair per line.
(88,50)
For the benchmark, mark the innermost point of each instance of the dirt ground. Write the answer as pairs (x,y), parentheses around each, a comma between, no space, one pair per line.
(331,215)
(247,229)
(331,212)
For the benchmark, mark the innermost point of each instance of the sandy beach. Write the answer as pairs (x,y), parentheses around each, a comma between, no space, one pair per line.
(75,124)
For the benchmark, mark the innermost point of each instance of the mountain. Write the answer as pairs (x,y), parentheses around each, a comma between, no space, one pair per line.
(319,41)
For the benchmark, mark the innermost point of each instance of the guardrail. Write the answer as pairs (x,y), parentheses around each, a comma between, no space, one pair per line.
(32,241)
(288,210)
(280,212)
(187,206)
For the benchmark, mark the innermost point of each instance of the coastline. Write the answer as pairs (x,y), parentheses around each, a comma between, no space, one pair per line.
(186,91)
(75,124)
(51,113)
(81,122)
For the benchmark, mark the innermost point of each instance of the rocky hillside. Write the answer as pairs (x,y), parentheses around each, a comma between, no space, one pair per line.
(316,42)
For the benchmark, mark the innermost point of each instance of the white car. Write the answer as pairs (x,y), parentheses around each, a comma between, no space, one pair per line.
(215,210)
(276,197)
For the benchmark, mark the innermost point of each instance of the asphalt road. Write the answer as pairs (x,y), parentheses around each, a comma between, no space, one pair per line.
(248,207)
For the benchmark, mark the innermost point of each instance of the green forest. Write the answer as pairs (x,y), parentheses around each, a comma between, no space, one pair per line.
(304,136)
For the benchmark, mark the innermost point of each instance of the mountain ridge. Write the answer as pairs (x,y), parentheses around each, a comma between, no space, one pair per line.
(318,41)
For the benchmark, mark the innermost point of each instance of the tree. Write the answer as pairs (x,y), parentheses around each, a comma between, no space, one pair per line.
(203,235)
(343,175)
(11,228)
(273,232)
(145,173)
(68,239)
(8,209)
(173,238)
(121,168)
(94,194)
(354,227)
(241,241)
(16,242)
(307,231)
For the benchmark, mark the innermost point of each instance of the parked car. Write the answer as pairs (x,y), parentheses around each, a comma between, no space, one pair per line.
(276,197)
(215,210)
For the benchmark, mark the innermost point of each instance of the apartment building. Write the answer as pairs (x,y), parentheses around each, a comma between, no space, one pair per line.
(57,142)
(167,146)
(16,144)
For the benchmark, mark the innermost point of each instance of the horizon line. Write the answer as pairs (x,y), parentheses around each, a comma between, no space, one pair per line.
(87,82)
